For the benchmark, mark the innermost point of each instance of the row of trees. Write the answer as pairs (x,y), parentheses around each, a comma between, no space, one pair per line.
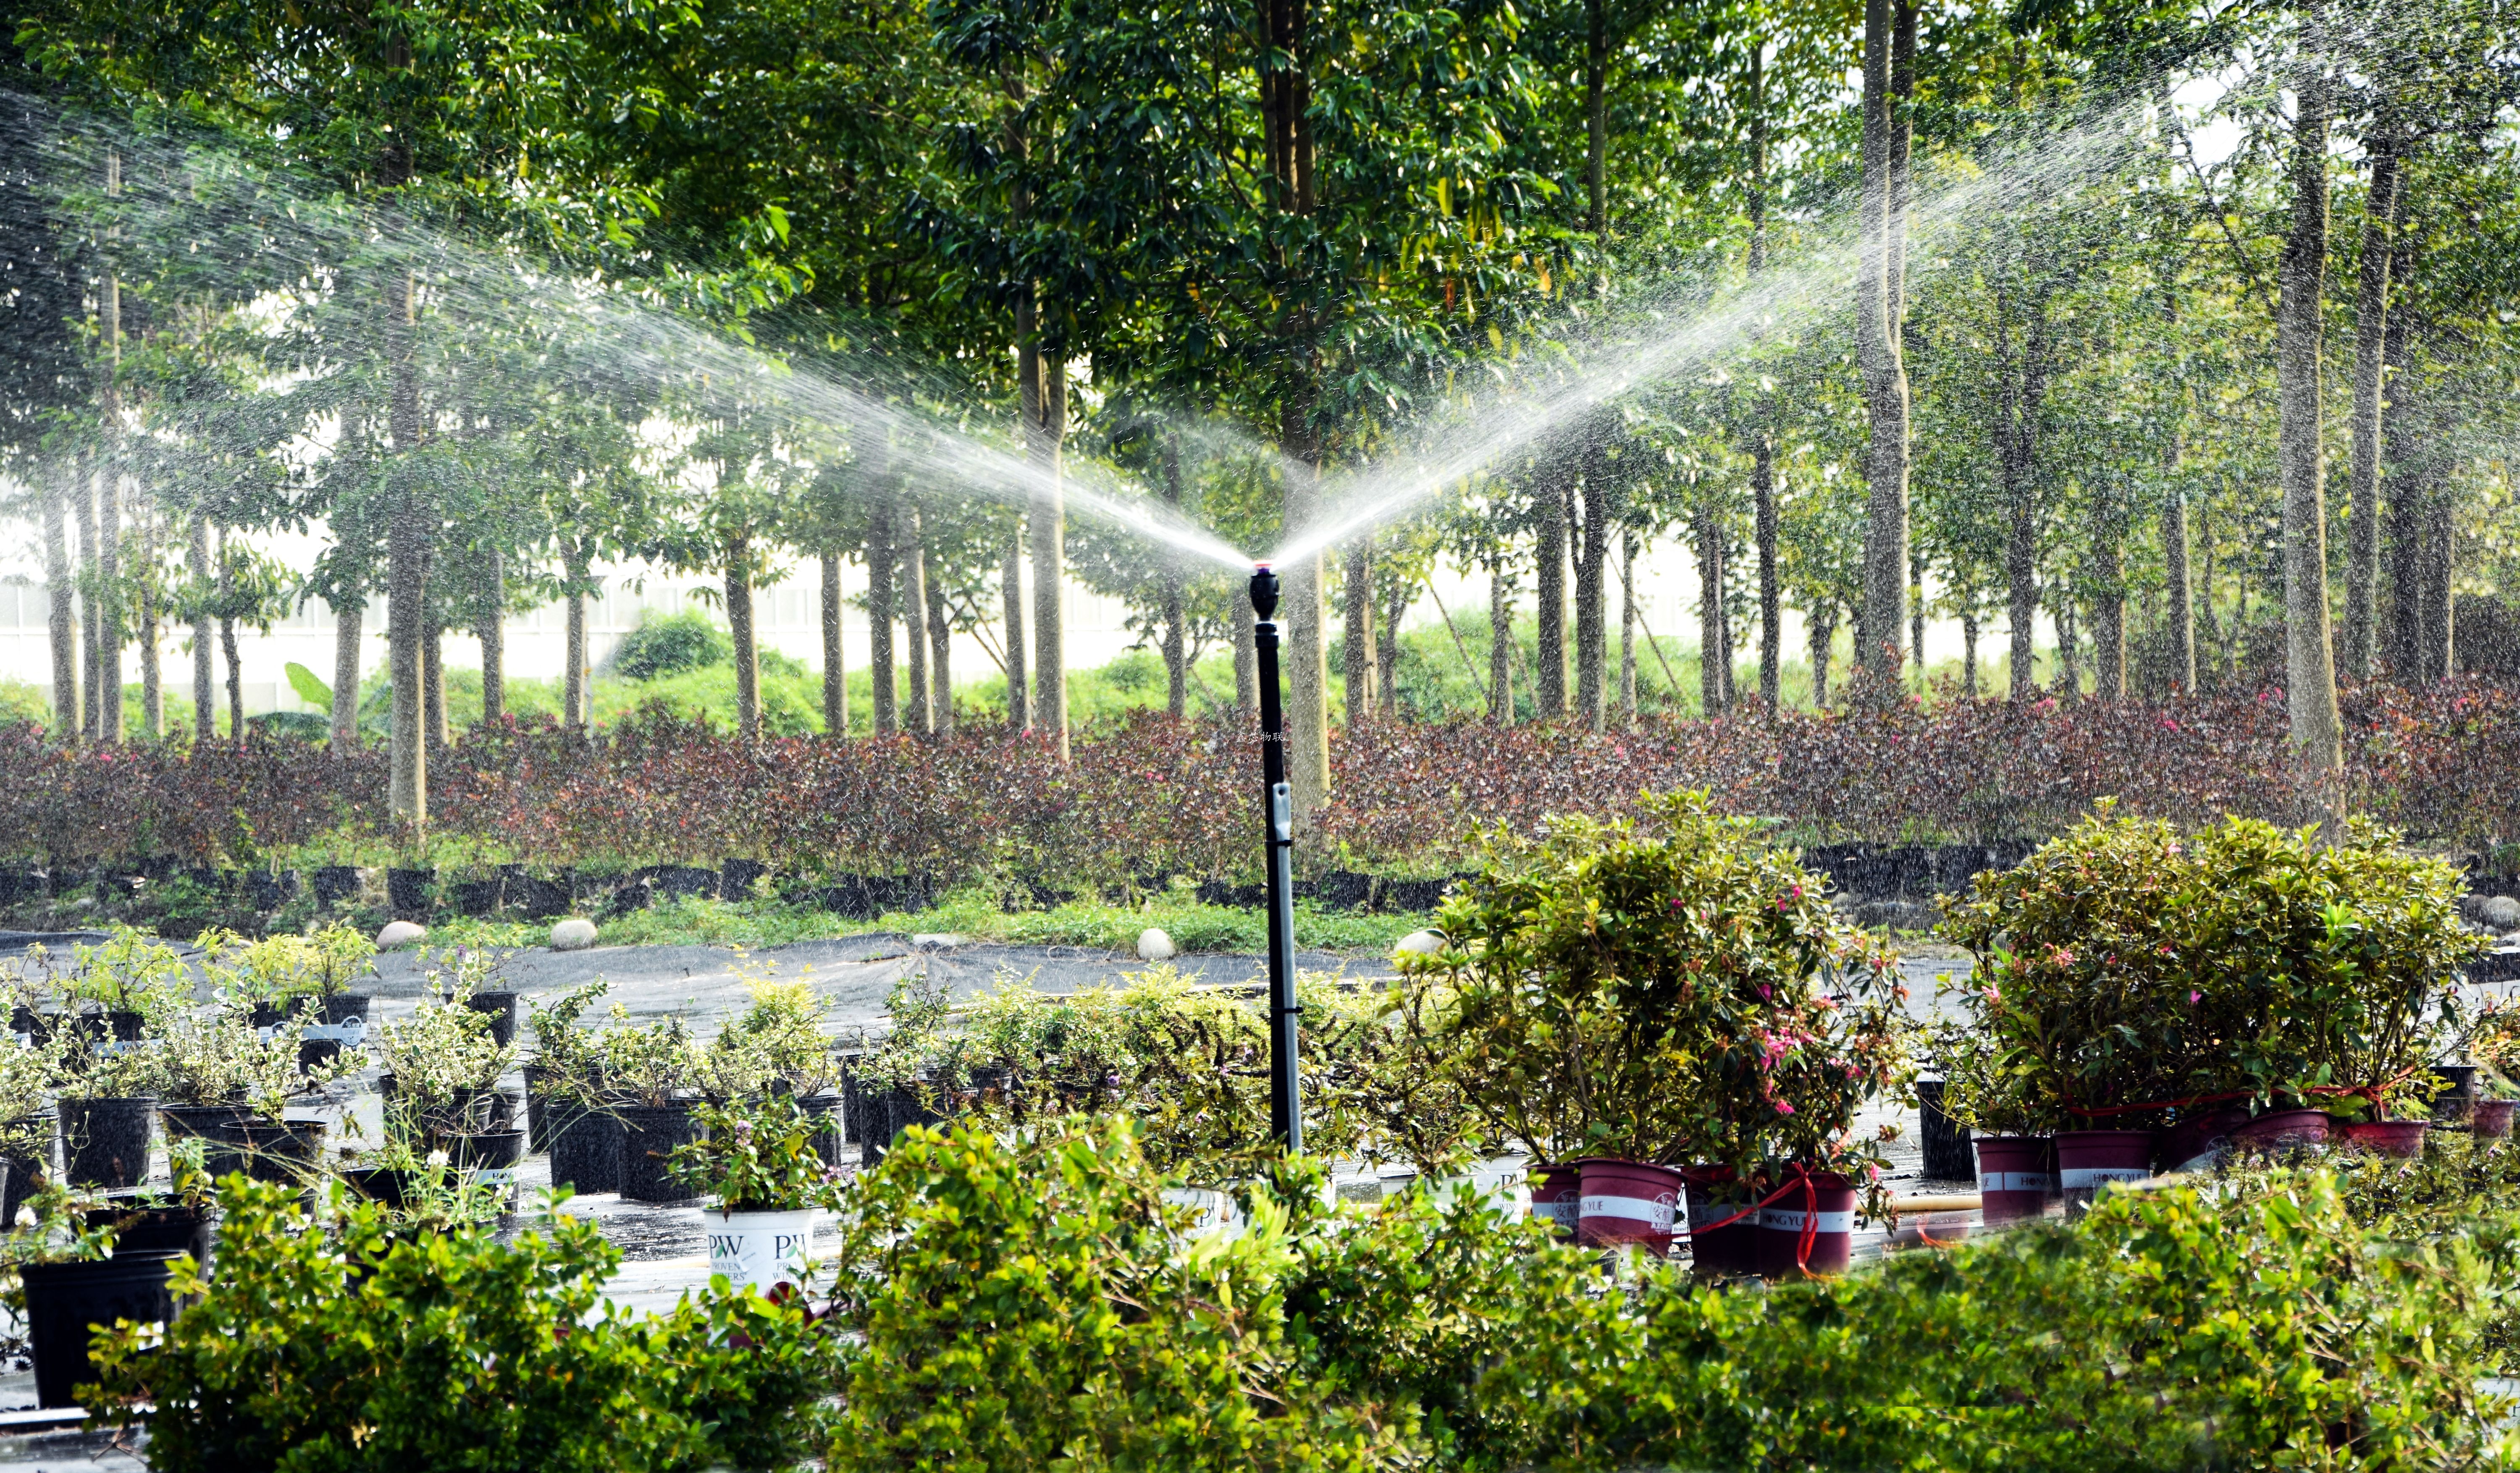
(2033,319)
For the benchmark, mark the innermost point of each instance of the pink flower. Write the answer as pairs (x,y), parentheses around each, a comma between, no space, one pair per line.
(2195,997)
(1783,1109)
(1995,994)
(1763,992)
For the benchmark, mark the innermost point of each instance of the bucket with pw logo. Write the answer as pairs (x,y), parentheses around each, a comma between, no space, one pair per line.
(758,1250)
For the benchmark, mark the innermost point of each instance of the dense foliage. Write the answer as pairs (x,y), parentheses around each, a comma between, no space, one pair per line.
(1154,795)
(2126,967)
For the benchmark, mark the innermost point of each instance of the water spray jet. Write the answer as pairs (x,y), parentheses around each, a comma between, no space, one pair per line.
(1286,1073)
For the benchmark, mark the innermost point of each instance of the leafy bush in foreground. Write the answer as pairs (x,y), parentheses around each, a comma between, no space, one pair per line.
(1026,1303)
(451,1351)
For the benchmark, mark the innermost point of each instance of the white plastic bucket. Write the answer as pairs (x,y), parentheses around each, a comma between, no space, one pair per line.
(756,1250)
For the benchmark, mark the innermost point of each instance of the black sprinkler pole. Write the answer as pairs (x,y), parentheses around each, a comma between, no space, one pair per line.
(1285,1072)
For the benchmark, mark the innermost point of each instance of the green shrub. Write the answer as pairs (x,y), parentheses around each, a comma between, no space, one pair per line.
(1032,1306)
(1666,989)
(450,1352)
(2126,964)
(670,644)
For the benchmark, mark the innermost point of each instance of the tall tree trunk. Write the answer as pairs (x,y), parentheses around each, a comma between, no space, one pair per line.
(2370,345)
(407,535)
(433,677)
(1176,609)
(1714,645)
(1884,371)
(228,647)
(492,631)
(1047,521)
(2108,599)
(1500,644)
(883,608)
(1386,653)
(1916,611)
(1968,652)
(739,626)
(1356,650)
(61,582)
(1285,100)
(2440,633)
(1762,439)
(835,673)
(912,593)
(940,659)
(153,675)
(1903,94)
(1628,631)
(2069,661)
(1010,591)
(577,714)
(2020,526)
(92,621)
(350,626)
(206,692)
(109,635)
(2182,603)
(1550,682)
(1592,592)
(2310,666)
(2405,513)
(1823,635)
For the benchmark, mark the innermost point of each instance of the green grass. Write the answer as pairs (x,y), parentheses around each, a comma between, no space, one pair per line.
(693,922)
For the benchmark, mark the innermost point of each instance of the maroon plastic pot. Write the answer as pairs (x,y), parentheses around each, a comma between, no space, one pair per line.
(2016,1178)
(2196,1134)
(2490,1119)
(2387,1138)
(2089,1162)
(1627,1202)
(1558,1196)
(1714,1197)
(1810,1229)
(2278,1130)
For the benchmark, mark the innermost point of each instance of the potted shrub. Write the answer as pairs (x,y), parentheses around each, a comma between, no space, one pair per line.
(777,1046)
(107,1101)
(652,1071)
(177,1221)
(471,976)
(758,1166)
(71,1278)
(566,1101)
(443,1064)
(1987,1090)
(117,986)
(264,1071)
(2139,978)
(213,1066)
(28,1074)
(1673,999)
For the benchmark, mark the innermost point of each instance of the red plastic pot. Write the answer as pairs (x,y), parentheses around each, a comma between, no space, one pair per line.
(2387,1138)
(2279,1129)
(2016,1177)
(1714,1197)
(1558,1196)
(1627,1202)
(1810,1229)
(2197,1133)
(2089,1162)
(2490,1119)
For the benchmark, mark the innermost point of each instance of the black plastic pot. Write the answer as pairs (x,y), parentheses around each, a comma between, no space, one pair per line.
(267,1015)
(537,1125)
(27,1172)
(126,1026)
(825,1111)
(585,1145)
(1949,1154)
(502,1009)
(410,893)
(176,1229)
(336,883)
(488,1150)
(895,1112)
(649,1136)
(269,1150)
(104,1142)
(2455,1094)
(385,1185)
(186,1122)
(65,1302)
(36,1026)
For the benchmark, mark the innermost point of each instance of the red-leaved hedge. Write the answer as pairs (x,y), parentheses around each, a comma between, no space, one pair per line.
(1153,795)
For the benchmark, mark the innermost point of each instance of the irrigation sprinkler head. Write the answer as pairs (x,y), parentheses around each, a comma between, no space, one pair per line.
(1264,591)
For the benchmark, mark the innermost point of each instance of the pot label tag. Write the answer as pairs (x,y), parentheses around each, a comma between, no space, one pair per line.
(1790,1219)
(1656,1212)
(2015,1181)
(499,1176)
(352,1034)
(2092,1178)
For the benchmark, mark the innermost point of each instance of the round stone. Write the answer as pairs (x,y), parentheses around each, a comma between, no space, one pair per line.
(1418,943)
(1154,946)
(937,941)
(2501,912)
(574,934)
(398,934)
